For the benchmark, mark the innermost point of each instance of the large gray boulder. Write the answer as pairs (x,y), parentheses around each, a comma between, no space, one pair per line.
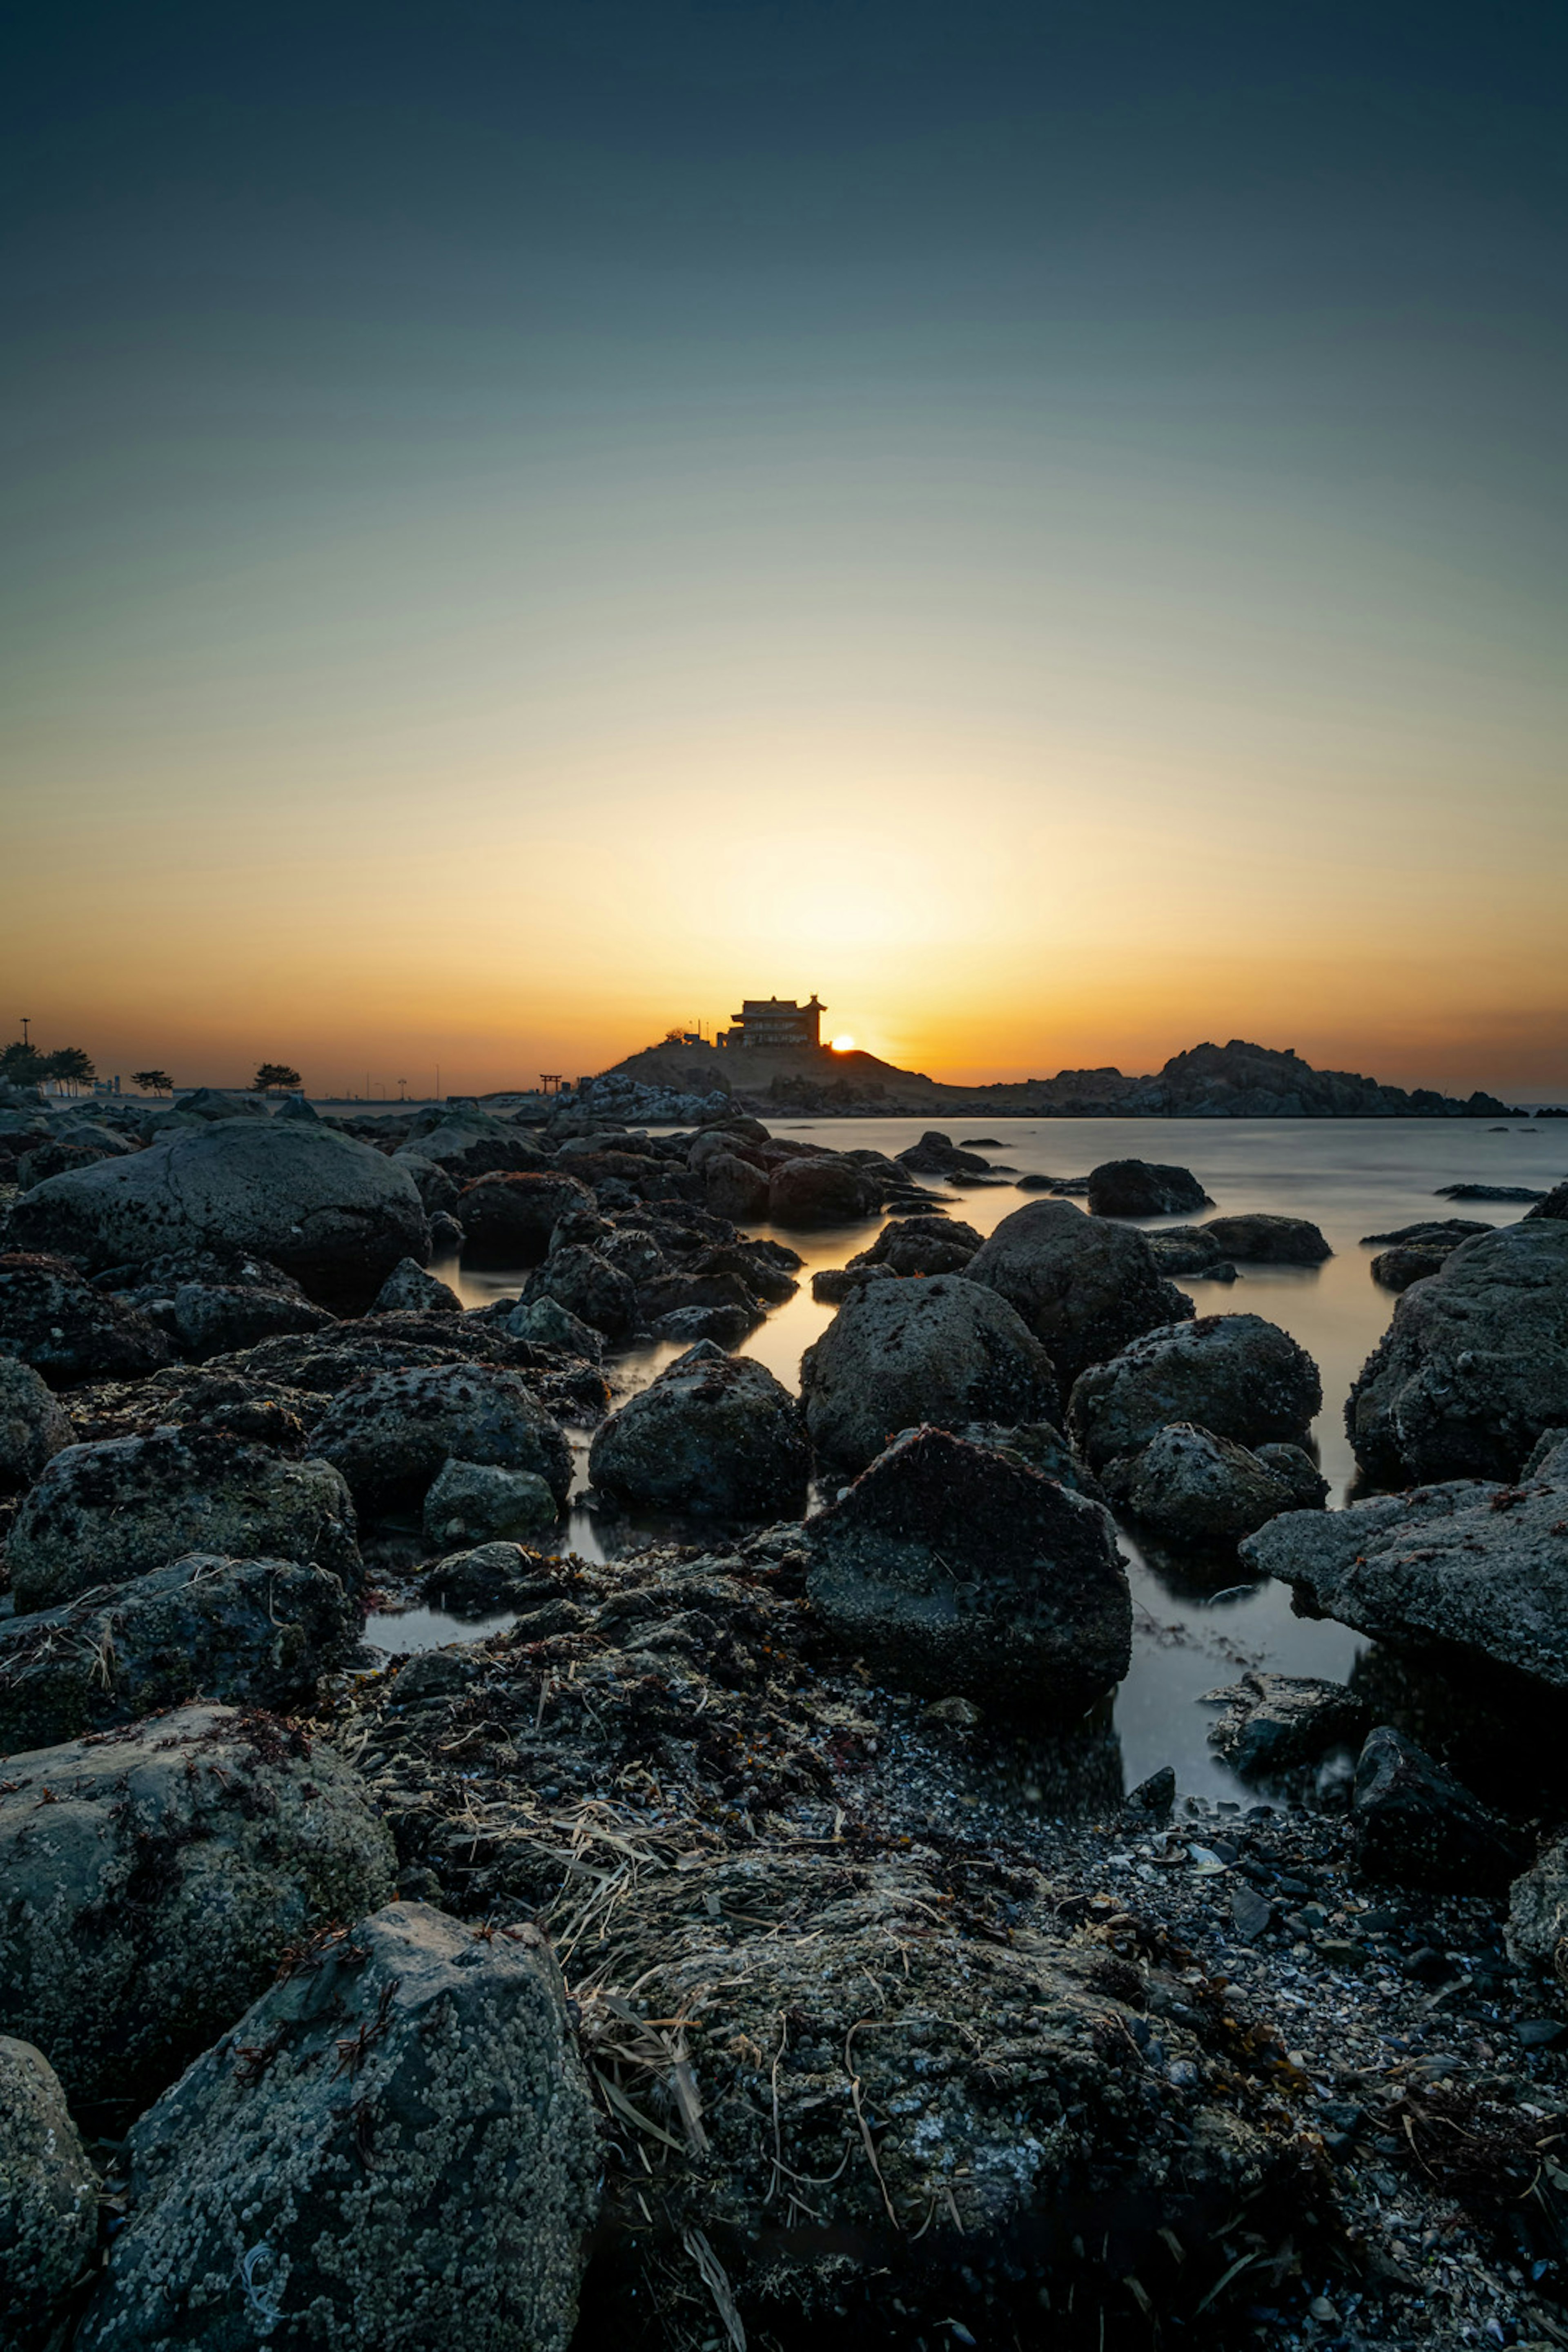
(53,1320)
(255,1633)
(151,1883)
(1469,1567)
(588,1286)
(433,2187)
(409,1290)
(922,1244)
(473,1502)
(1143,1188)
(713,1432)
(470,1143)
(508,1220)
(1085,1286)
(1259,1239)
(732,1187)
(957,1570)
(1474,1365)
(1235,1375)
(941,1350)
(104,1513)
(32,1425)
(820,1191)
(48,2199)
(391,1433)
(1192,1487)
(334,1214)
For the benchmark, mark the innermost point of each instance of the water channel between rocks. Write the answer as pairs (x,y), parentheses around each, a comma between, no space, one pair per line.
(1351,1177)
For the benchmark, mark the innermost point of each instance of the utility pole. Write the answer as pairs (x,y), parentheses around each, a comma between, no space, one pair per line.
(25,1028)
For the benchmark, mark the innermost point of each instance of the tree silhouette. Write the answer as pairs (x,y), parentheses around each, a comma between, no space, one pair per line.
(72,1064)
(21,1065)
(272,1075)
(152,1082)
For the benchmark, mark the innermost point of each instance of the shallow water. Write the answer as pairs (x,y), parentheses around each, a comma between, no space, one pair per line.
(1351,1177)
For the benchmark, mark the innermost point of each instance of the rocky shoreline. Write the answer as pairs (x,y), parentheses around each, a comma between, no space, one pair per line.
(747,1938)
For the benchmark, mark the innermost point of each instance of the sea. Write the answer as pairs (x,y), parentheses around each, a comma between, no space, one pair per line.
(1193,1629)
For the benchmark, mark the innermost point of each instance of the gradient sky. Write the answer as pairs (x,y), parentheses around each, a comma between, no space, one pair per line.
(521,524)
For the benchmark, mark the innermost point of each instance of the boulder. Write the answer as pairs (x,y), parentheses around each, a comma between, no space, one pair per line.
(924,1245)
(1192,1487)
(1538,1911)
(1429,1232)
(53,1320)
(435,1186)
(1276,1723)
(48,2200)
(255,1633)
(481,1583)
(1038,1445)
(508,1220)
(1235,1375)
(391,1433)
(589,1288)
(151,1880)
(713,1434)
(1309,1487)
(212,1103)
(937,1155)
(471,1143)
(1259,1240)
(940,1350)
(764,1266)
(1143,1188)
(673,1293)
(32,1425)
(54,1156)
(334,1214)
(470,1502)
(1415,1825)
(1556,1205)
(955,1570)
(545,1323)
(1186,1249)
(409,1290)
(437,2187)
(725,1326)
(1085,1286)
(1396,1269)
(819,1191)
(733,1187)
(1519,1192)
(635,1251)
(832,1285)
(104,1513)
(1474,1364)
(216,1318)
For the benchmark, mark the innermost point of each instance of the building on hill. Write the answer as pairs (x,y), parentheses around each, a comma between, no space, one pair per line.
(774,1022)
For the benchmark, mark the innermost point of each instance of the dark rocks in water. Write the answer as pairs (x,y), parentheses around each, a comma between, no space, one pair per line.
(472,1502)
(765,1268)
(979,1143)
(252,1633)
(33,1428)
(1396,1269)
(1309,1487)
(1415,1825)
(1488,1193)
(1276,1723)
(1143,1188)
(1257,1239)
(54,1319)
(1447,1231)
(819,1191)
(1035,1182)
(1236,1375)
(103,1514)
(469,1143)
(725,1326)
(508,1220)
(1038,1445)
(48,2202)
(1192,1487)
(151,1880)
(950,1569)
(922,1244)
(214,1318)
(674,1294)
(589,1288)
(1240,1080)
(1185,1249)
(1468,1567)
(479,2167)
(436,1187)
(1474,1364)
(938,1351)
(832,1285)
(1555,1205)
(409,1290)
(1084,1286)
(713,1434)
(481,1583)
(391,1434)
(938,1155)
(733,1187)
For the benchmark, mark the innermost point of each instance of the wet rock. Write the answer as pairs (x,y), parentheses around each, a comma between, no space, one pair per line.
(1185,1249)
(819,1191)
(1039,1446)
(589,1288)
(1085,1286)
(409,1290)
(548,1324)
(477,1583)
(48,2200)
(1234,1375)
(953,1570)
(1556,1205)
(53,1320)
(1488,1193)
(53,1157)
(924,1245)
(1275,1723)
(733,1187)
(832,1285)
(216,1318)
(712,1433)
(152,1881)
(470,1502)
(1309,1487)
(941,1350)
(938,1155)
(1473,1366)
(435,1186)
(1433,1232)
(1192,1487)
(678,1293)
(446,1235)
(470,1143)
(32,1425)
(633,1249)
(105,1513)
(255,1633)
(333,1213)
(212,1103)
(391,1434)
(726,1327)
(508,1220)
(1259,1240)
(1396,1269)
(1143,1188)
(1155,1796)
(331,2205)
(1251,1916)
(1468,1566)
(1538,1910)
(1417,1826)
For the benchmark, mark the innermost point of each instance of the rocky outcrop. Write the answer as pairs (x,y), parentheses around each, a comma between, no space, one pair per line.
(1277,1723)
(472,1502)
(1415,1825)
(1474,1365)
(1192,1487)
(1257,1239)
(938,1155)
(255,1632)
(712,1433)
(1234,1375)
(32,1426)
(940,1350)
(819,1191)
(508,1220)
(1396,1269)
(48,2200)
(391,1433)
(1556,1205)
(1143,1188)
(334,1214)
(1084,1286)
(922,1244)
(409,1290)
(151,1883)
(332,2204)
(954,1571)
(104,1513)
(53,1320)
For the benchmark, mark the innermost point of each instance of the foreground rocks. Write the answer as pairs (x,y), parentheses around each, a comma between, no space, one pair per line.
(1084,1287)
(714,1433)
(68,1331)
(444,2172)
(953,1569)
(1192,1487)
(32,1426)
(48,2199)
(1273,1724)
(391,1434)
(943,1350)
(1236,1376)
(1417,1826)
(152,1881)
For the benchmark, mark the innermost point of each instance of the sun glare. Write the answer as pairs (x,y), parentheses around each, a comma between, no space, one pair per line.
(844,1045)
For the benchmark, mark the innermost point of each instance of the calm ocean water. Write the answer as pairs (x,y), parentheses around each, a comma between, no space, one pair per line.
(1351,1177)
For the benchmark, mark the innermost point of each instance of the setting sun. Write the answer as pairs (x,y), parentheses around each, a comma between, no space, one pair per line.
(844,1045)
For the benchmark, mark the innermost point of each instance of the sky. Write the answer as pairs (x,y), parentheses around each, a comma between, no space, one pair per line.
(1048,525)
